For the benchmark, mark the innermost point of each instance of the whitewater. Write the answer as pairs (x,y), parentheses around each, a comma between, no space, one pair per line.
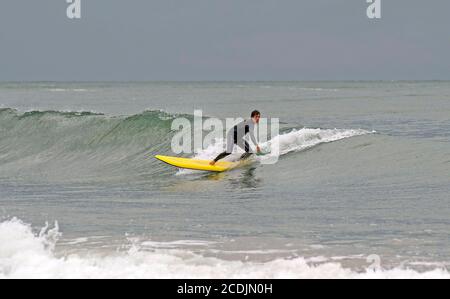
(24,254)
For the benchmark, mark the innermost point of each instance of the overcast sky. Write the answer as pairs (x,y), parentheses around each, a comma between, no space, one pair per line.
(224,40)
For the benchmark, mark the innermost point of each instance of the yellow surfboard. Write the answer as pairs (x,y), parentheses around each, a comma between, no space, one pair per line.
(220,166)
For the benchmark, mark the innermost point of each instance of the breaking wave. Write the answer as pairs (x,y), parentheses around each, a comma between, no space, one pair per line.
(86,146)
(26,254)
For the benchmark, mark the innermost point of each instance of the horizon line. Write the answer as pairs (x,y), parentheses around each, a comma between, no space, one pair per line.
(218,81)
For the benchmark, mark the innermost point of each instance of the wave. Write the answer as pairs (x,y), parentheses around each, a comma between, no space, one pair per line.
(285,143)
(24,254)
(63,145)
(58,145)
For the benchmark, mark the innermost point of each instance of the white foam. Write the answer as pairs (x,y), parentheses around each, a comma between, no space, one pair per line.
(65,89)
(299,140)
(294,141)
(175,244)
(24,254)
(77,241)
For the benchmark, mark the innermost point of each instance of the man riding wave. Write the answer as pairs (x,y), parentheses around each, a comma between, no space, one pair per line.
(236,137)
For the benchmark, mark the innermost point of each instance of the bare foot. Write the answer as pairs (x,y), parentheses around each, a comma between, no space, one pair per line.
(212,163)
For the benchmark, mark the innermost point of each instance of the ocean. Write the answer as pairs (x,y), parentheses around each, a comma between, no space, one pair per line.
(361,189)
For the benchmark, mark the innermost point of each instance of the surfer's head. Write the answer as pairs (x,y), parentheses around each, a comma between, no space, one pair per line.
(256,115)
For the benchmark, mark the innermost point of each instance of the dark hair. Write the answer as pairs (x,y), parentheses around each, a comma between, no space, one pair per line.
(255,113)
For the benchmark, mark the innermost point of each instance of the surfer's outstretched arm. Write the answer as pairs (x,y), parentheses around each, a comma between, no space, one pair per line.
(253,138)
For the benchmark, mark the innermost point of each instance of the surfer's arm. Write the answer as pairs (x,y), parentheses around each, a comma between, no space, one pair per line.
(253,138)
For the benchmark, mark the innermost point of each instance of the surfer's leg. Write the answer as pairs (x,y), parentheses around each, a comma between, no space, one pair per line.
(221,156)
(247,153)
(231,141)
(245,156)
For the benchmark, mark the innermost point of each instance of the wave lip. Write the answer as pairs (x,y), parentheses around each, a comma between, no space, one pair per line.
(298,140)
(24,254)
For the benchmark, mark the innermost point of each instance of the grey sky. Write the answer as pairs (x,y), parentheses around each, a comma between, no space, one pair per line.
(224,40)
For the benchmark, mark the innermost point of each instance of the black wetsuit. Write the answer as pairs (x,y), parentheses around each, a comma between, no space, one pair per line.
(236,137)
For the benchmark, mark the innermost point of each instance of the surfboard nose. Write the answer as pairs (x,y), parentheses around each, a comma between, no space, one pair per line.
(162,158)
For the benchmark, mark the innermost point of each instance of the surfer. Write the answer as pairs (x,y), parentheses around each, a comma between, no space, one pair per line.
(236,137)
